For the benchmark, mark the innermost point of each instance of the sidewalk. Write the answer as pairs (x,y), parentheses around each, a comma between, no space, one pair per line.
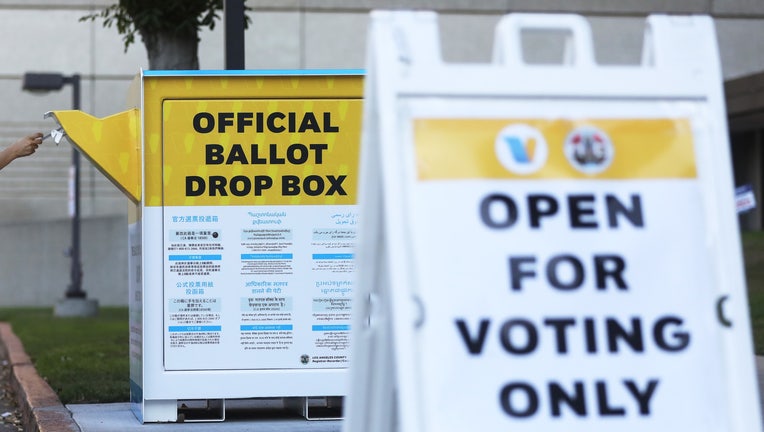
(118,418)
(42,411)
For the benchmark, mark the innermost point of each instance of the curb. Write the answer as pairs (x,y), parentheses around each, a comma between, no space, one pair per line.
(41,409)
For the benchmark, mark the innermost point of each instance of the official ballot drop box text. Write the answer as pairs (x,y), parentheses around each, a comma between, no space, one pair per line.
(242,224)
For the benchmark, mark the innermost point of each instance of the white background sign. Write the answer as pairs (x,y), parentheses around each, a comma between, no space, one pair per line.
(565,304)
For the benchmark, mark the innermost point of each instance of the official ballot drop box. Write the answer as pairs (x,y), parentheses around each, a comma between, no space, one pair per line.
(241,224)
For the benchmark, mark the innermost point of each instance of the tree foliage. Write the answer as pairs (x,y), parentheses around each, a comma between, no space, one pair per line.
(178,18)
(169,28)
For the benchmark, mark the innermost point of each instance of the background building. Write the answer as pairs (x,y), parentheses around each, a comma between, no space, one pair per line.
(47,35)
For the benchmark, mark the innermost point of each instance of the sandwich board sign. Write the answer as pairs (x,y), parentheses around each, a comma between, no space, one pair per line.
(548,247)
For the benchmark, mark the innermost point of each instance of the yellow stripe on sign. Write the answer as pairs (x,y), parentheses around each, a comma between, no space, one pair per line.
(554,149)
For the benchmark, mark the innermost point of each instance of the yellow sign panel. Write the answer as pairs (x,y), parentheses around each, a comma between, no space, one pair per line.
(554,148)
(110,143)
(260,152)
(159,88)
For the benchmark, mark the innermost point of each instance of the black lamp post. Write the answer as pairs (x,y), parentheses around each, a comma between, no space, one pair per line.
(42,82)
(233,11)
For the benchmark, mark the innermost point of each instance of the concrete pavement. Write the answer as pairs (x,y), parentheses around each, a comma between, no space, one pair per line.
(42,411)
(118,418)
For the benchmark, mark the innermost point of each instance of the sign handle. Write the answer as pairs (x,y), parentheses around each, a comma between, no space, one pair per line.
(508,49)
(673,43)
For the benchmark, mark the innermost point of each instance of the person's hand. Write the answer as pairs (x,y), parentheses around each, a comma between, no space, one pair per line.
(26,146)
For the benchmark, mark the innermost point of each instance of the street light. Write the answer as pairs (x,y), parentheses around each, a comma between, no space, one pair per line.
(44,82)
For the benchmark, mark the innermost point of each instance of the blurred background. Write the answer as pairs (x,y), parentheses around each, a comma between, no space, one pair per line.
(48,36)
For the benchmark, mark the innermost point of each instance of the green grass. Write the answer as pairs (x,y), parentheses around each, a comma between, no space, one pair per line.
(85,360)
(753,251)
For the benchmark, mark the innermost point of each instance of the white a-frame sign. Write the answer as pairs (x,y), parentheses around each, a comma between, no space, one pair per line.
(548,247)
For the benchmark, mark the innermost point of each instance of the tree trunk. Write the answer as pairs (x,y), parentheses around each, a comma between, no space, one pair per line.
(168,50)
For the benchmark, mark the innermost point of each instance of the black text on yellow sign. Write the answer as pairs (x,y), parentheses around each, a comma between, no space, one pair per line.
(261,152)
(291,185)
